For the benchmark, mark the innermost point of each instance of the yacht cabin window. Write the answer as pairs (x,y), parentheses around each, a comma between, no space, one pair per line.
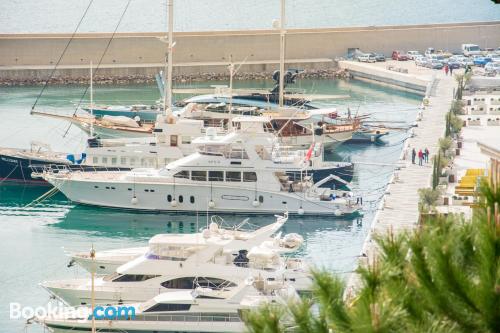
(199,175)
(134,278)
(104,160)
(123,160)
(186,140)
(182,174)
(161,307)
(249,177)
(233,176)
(95,160)
(200,281)
(216,176)
(113,160)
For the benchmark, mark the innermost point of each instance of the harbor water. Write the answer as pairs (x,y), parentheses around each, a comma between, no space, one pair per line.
(34,239)
(46,16)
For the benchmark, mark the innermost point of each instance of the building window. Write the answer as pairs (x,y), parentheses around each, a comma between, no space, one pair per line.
(191,199)
(199,175)
(181,198)
(182,174)
(169,198)
(216,176)
(233,176)
(249,177)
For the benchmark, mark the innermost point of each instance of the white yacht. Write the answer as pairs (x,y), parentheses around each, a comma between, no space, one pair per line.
(219,260)
(229,174)
(108,261)
(199,310)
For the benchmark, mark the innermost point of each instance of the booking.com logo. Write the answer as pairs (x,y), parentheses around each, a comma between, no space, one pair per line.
(99,313)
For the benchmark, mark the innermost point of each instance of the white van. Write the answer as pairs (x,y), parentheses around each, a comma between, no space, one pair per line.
(470,49)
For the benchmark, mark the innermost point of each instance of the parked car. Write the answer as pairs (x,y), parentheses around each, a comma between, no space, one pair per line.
(494,57)
(421,61)
(399,56)
(454,64)
(378,56)
(481,61)
(437,57)
(445,54)
(470,49)
(434,64)
(413,54)
(497,50)
(492,68)
(366,57)
(465,61)
(429,51)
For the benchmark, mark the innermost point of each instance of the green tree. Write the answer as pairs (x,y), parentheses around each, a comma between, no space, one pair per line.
(443,277)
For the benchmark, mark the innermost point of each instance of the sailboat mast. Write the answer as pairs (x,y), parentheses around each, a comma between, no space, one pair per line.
(282,53)
(91,102)
(231,73)
(168,84)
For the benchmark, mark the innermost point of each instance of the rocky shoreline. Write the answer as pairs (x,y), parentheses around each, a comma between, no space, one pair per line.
(146,79)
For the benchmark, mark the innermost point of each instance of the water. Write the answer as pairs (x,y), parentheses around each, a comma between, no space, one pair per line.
(33,240)
(32,16)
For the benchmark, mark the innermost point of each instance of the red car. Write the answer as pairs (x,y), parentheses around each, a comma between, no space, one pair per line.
(399,56)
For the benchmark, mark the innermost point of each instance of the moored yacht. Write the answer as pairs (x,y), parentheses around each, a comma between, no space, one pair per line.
(200,310)
(230,174)
(108,261)
(218,259)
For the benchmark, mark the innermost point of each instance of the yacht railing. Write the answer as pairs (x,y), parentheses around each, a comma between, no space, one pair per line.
(194,317)
(39,169)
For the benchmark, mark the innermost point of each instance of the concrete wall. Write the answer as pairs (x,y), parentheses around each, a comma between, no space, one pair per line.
(194,51)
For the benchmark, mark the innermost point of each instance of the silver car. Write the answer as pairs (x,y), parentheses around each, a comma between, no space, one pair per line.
(492,68)
(421,61)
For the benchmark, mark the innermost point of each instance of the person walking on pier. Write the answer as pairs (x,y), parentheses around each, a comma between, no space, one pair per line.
(446,69)
(420,157)
(413,155)
(451,70)
(426,155)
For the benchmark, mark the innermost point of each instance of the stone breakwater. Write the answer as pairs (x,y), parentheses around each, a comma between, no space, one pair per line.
(182,78)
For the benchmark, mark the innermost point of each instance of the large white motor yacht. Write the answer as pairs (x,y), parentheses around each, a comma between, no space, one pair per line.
(108,261)
(231,174)
(219,260)
(199,310)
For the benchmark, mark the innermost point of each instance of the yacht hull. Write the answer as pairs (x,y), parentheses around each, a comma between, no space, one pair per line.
(146,327)
(196,197)
(18,169)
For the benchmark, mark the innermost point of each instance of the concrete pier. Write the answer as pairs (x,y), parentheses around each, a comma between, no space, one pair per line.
(398,209)
(211,51)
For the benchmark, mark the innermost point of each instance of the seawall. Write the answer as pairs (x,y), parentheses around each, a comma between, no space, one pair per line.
(33,55)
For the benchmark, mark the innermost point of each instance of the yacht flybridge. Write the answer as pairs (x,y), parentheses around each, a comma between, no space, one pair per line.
(231,173)
(108,261)
(216,259)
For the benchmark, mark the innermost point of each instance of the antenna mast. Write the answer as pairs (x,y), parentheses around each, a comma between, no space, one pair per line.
(167,101)
(91,102)
(282,53)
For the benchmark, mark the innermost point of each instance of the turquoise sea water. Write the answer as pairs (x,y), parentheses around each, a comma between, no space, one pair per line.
(23,16)
(33,240)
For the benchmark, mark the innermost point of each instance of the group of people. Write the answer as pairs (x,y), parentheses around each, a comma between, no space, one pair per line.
(448,69)
(423,156)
